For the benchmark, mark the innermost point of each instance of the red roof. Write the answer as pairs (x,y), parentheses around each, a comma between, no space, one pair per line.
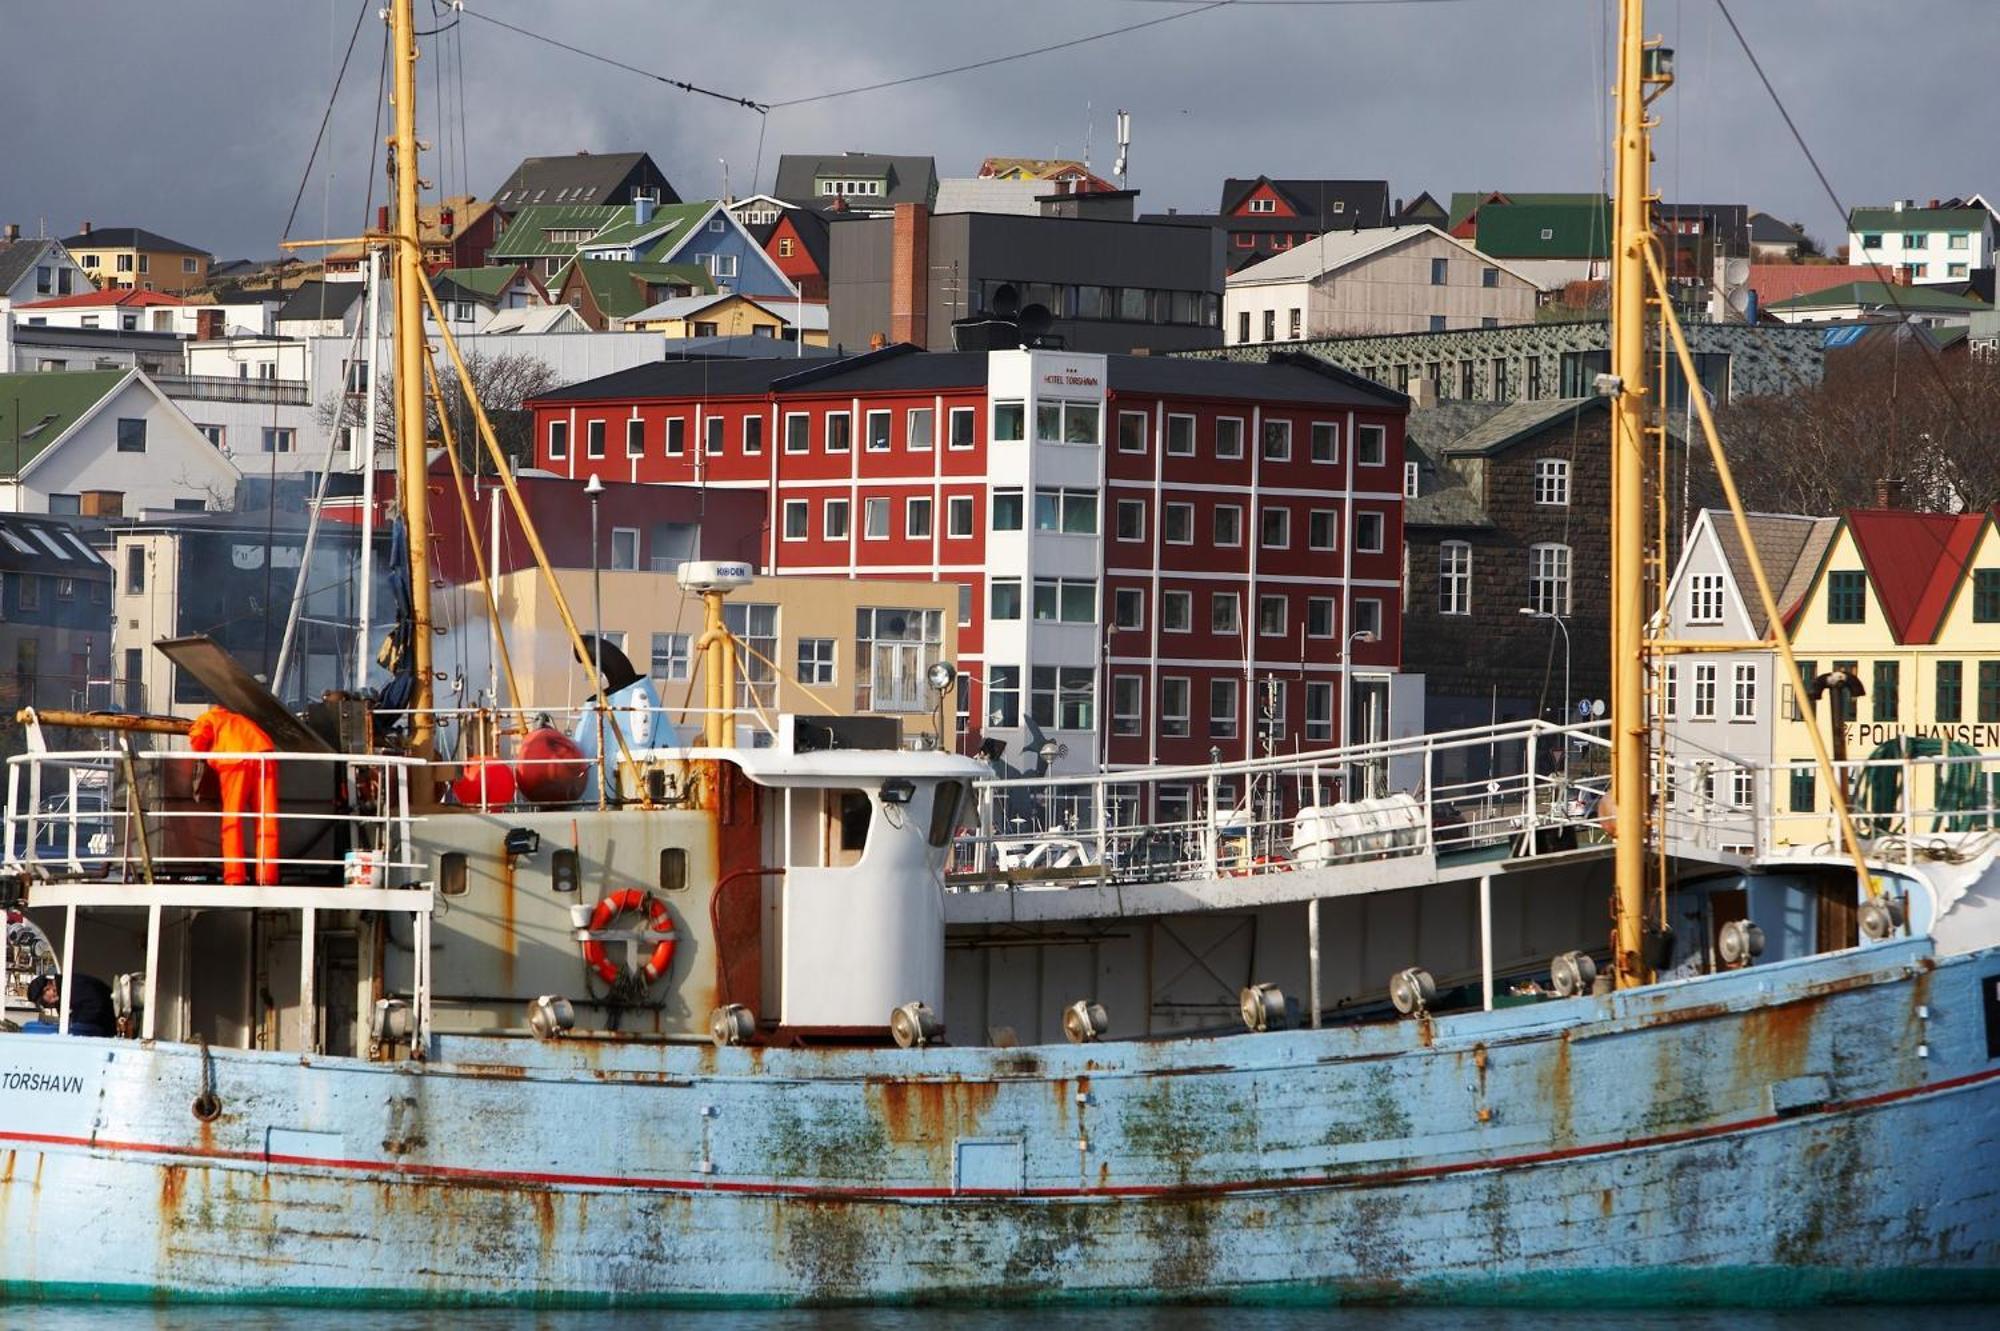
(100,298)
(1774,282)
(1915,562)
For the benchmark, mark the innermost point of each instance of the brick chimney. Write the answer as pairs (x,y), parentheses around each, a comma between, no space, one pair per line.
(207,325)
(84,229)
(1889,491)
(910,274)
(13,231)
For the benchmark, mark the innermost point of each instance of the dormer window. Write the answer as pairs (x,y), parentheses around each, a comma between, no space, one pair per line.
(1263,205)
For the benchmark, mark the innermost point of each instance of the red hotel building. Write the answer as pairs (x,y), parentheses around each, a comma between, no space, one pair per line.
(1179,548)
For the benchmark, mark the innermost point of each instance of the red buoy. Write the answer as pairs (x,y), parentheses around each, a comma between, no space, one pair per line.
(551,769)
(487,783)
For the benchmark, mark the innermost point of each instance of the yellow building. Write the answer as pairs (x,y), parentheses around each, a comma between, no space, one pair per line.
(1908,604)
(816,646)
(136,259)
(728,314)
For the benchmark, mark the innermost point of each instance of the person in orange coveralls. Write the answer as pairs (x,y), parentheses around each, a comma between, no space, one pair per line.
(219,730)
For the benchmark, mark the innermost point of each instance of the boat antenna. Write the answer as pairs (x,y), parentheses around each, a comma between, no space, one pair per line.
(404,173)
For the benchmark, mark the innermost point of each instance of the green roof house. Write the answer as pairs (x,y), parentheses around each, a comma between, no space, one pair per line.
(1941,243)
(109,435)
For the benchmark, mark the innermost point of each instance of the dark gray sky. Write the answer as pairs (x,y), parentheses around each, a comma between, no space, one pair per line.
(195,118)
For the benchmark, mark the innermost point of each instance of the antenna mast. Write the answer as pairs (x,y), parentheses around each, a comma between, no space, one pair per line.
(409,305)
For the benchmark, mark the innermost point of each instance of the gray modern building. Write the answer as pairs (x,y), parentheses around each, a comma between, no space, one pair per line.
(1107,286)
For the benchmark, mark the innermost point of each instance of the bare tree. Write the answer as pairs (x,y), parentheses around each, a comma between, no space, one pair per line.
(502,383)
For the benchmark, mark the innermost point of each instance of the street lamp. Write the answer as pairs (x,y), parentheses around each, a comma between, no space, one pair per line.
(1347,694)
(1557,620)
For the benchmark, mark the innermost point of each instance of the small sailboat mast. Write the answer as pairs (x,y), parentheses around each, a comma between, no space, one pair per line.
(407,290)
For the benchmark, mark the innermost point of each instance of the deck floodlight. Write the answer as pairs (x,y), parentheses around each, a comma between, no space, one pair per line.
(1572,973)
(1264,1008)
(1084,1022)
(1412,991)
(731,1024)
(914,1025)
(942,676)
(550,1015)
(1880,918)
(1740,942)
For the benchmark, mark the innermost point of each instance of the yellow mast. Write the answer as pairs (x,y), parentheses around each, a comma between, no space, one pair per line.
(1631,229)
(409,305)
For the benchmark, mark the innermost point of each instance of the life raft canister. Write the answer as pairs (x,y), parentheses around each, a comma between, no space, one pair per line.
(609,909)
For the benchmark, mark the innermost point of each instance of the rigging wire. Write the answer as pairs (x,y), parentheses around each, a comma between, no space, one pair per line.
(669,80)
(326,117)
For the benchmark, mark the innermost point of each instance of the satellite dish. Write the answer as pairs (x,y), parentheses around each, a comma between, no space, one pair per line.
(1006,300)
(1036,319)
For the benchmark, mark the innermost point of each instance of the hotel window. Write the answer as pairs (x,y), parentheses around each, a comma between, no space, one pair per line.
(670,657)
(958,515)
(1131,520)
(1271,616)
(1276,528)
(1989,692)
(1127,699)
(1177,612)
(1319,616)
(1174,693)
(1003,696)
(1368,533)
(1548,579)
(1743,692)
(1950,690)
(1222,699)
(558,440)
(713,427)
(1009,422)
(625,548)
(798,519)
(753,434)
(1225,613)
(1071,512)
(1886,695)
(1128,608)
(1131,432)
(1847,597)
(1277,441)
(1065,601)
(1007,510)
(1552,481)
(917,519)
(1228,438)
(839,431)
(1180,436)
(1371,445)
(1177,524)
(676,436)
(1228,525)
(1325,441)
(635,438)
(1062,697)
(1704,691)
(1005,599)
(1319,712)
(877,424)
(1455,578)
(1322,529)
(961,427)
(834,520)
(1705,598)
(875,519)
(816,660)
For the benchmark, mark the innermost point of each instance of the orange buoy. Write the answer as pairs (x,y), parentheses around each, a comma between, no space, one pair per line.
(550,768)
(487,783)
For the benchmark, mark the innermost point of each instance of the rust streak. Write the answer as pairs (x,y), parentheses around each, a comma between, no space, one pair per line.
(932,1112)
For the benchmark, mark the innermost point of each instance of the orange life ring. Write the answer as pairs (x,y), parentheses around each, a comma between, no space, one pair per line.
(609,909)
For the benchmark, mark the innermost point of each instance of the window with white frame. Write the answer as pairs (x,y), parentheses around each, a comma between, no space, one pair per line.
(1323,529)
(670,658)
(798,432)
(1176,612)
(625,548)
(1277,441)
(1227,524)
(917,519)
(877,425)
(834,519)
(593,439)
(1705,598)
(1742,787)
(816,661)
(1131,515)
(1225,613)
(893,649)
(1009,422)
(798,519)
(635,438)
(558,440)
(1222,699)
(1455,578)
(1371,445)
(960,424)
(918,429)
(1271,616)
(1128,608)
(1703,708)
(1368,616)
(1228,438)
(1008,509)
(1412,479)
(1319,616)
(958,515)
(1552,481)
(1264,205)
(1670,691)
(875,518)
(1548,579)
(839,431)
(1003,695)
(1072,512)
(1369,531)
(1128,694)
(1276,528)
(1174,693)
(1065,600)
(1004,599)
(1319,712)
(676,436)
(1180,436)
(1743,691)
(712,429)
(1177,524)
(1131,432)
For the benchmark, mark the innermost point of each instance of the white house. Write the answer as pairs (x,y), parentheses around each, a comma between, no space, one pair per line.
(37,268)
(127,310)
(103,442)
(1940,243)
(1719,705)
(1396,279)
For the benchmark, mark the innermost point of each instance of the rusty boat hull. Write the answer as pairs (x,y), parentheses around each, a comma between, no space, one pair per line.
(1815,1129)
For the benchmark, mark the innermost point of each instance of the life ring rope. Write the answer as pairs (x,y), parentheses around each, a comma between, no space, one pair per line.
(659,920)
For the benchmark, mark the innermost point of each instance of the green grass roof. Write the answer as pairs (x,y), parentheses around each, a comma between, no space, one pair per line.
(526,237)
(621,289)
(489,281)
(36,409)
(1545,231)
